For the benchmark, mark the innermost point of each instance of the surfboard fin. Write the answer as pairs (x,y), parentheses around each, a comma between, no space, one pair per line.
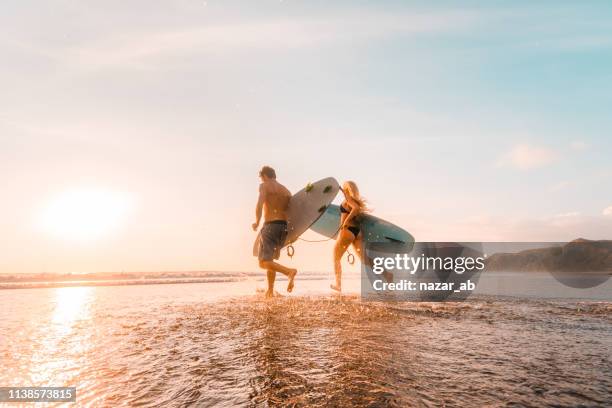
(327,189)
(309,187)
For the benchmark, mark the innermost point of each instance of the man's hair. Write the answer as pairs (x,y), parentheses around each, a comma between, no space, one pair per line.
(268,172)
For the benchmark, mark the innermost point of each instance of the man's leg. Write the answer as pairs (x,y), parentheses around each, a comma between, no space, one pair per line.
(276,267)
(273,236)
(271,277)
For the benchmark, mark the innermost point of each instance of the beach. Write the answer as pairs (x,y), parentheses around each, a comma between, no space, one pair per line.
(433,176)
(223,344)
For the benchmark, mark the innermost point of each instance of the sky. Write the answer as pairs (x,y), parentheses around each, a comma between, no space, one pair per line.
(131,133)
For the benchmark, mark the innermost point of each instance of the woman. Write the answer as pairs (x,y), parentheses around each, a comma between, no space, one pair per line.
(350,232)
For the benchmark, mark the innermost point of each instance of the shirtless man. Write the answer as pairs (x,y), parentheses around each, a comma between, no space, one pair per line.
(274,200)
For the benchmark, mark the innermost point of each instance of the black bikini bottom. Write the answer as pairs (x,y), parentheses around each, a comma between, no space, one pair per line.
(354,230)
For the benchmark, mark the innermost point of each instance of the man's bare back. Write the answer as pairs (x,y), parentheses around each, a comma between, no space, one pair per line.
(276,200)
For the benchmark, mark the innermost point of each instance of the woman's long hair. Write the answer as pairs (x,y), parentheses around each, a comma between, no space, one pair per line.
(351,190)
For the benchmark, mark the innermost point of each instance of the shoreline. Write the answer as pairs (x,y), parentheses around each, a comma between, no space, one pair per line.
(140,282)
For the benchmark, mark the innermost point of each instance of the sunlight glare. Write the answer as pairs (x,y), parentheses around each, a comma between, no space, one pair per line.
(85,215)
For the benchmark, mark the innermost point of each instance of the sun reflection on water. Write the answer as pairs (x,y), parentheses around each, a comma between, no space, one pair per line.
(71,304)
(63,340)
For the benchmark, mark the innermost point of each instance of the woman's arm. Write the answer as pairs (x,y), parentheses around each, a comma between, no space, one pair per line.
(355,210)
(344,193)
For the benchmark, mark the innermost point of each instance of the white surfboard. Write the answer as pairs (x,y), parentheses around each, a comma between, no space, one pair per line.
(305,208)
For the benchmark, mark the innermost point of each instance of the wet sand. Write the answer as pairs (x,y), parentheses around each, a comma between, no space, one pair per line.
(311,350)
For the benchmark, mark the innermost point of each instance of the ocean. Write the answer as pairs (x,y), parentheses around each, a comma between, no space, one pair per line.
(223,344)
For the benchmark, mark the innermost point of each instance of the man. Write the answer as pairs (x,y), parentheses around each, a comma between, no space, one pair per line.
(274,200)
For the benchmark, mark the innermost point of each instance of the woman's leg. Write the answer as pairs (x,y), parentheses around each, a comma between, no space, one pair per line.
(345,238)
(358,246)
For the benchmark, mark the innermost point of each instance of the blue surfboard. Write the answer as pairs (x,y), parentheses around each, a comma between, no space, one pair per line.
(374,229)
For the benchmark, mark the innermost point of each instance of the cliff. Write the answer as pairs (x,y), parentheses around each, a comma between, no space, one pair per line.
(580,255)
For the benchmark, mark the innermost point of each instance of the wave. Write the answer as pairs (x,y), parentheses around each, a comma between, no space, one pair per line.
(146,278)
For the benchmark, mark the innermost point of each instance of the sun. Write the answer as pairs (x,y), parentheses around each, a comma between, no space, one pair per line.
(85,215)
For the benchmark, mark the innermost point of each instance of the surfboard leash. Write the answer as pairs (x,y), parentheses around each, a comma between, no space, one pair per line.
(291,250)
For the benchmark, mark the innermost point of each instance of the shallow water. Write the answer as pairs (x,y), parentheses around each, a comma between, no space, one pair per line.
(219,344)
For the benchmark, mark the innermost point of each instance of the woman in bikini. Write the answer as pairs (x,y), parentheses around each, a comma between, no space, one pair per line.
(350,232)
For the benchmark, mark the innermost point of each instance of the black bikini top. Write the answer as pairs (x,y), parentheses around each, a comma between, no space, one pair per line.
(343,209)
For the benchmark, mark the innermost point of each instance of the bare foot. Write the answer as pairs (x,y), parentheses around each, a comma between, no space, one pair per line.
(336,287)
(269,294)
(291,280)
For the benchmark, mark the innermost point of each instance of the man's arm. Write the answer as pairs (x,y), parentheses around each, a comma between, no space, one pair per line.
(259,207)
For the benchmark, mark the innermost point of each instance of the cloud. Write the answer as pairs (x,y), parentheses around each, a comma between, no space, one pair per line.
(568,219)
(579,145)
(492,228)
(561,185)
(526,157)
(131,48)
(568,214)
(569,42)
(607,211)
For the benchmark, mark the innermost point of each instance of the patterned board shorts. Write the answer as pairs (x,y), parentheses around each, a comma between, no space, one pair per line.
(273,235)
